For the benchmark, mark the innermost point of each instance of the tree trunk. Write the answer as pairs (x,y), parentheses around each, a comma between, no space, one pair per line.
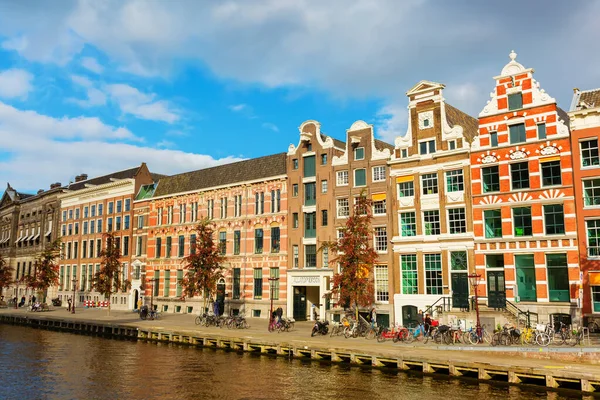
(109,296)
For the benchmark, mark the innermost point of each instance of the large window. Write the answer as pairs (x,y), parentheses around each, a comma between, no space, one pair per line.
(410,276)
(379,173)
(274,275)
(558,277)
(406,189)
(431,221)
(554,218)
(492,223)
(593,237)
(275,241)
(168,250)
(429,183)
(343,208)
(427,147)
(551,173)
(223,243)
(591,192)
(515,101)
(310,225)
(360,177)
(236,283)
(167,287)
(310,254)
(490,177)
(517,133)
(382,293)
(596,299)
(237,235)
(193,244)
(342,178)
(381,243)
(522,221)
(258,283)
(178,286)
(457,220)
(379,207)
(433,274)
(309,166)
(455,181)
(408,224)
(310,194)
(589,153)
(519,173)
(258,241)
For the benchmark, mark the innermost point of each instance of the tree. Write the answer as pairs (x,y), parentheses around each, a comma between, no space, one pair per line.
(6,272)
(45,270)
(354,253)
(204,266)
(107,280)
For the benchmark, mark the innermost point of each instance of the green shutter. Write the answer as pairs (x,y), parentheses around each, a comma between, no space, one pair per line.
(360,177)
(515,101)
(309,166)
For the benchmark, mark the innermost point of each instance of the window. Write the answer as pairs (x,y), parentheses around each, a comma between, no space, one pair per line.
(169,215)
(452,145)
(295,220)
(126,222)
(100,206)
(85,228)
(359,153)
(259,203)
(593,237)
(138,251)
(159,214)
(119,206)
(433,274)
(110,207)
(236,283)
(275,239)
(70,214)
(310,194)
(109,224)
(522,221)
(118,223)
(589,153)
(519,174)
(324,186)
(295,253)
(432,222)
(494,139)
(156,286)
(596,299)
(379,173)
(558,277)
(324,217)
(410,276)
(64,230)
(310,253)
(457,220)
(406,189)
(427,147)
(458,260)
(125,245)
(193,244)
(64,216)
(429,183)
(98,247)
(127,204)
(541,131)
(295,190)
(408,224)
(99,225)
(309,166)
(84,250)
(554,218)
(517,133)
(379,207)
(325,253)
(194,216)
(360,177)
(276,200)
(491,179)
(515,101)
(223,207)
(76,213)
(210,208)
(591,192)
(274,275)
(310,225)
(381,243)
(404,153)
(551,173)
(237,235)
(178,287)
(85,212)
(258,241)
(168,247)
(223,242)
(342,178)
(382,293)
(492,223)
(76,228)
(343,208)
(324,159)
(158,247)
(455,181)
(295,163)
(258,283)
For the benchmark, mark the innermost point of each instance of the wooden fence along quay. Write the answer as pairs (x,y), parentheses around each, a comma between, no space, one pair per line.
(583,377)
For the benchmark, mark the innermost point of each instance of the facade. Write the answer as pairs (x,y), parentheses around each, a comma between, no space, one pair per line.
(526,248)
(585,133)
(247,201)
(90,208)
(430,205)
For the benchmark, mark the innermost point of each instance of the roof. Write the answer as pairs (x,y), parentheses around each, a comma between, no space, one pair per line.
(101,180)
(380,145)
(227,174)
(585,99)
(146,191)
(337,143)
(562,114)
(456,117)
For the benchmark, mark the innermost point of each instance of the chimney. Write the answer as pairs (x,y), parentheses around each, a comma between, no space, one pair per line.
(576,90)
(40,191)
(81,177)
(55,185)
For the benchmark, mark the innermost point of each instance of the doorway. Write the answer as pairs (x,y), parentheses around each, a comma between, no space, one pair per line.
(496,289)
(300,303)
(460,290)
(221,296)
(409,316)
(136,297)
(526,277)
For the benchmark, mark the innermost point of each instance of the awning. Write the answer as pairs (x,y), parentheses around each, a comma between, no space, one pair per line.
(378,197)
(20,239)
(49,231)
(555,158)
(35,237)
(402,179)
(594,278)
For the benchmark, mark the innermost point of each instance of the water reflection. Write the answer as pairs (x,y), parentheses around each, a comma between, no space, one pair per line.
(39,364)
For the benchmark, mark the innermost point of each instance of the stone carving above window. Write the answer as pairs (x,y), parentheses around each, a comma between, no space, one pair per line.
(517,154)
(426,120)
(488,158)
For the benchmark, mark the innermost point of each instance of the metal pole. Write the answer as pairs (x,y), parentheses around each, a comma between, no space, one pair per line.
(74,289)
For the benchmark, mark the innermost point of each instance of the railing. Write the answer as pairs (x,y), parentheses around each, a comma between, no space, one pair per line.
(527,317)
(445,302)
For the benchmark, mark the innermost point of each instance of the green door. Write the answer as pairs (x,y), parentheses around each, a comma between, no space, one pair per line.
(496,289)
(460,290)
(300,303)
(526,278)
(409,316)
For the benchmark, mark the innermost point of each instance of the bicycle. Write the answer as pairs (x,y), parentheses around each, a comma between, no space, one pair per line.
(543,334)
(474,337)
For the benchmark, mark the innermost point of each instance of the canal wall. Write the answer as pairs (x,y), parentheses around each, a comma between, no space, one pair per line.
(585,378)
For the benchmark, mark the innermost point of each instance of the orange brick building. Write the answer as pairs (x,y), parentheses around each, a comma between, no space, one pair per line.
(523,202)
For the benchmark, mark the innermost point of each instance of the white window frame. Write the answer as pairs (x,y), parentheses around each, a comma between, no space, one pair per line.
(324,186)
(342,178)
(378,272)
(339,207)
(437,184)
(439,222)
(380,245)
(363,157)
(384,201)
(378,173)
(453,171)
(452,145)
(588,139)
(428,152)
(590,188)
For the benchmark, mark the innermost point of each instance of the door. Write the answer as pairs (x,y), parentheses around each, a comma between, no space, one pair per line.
(526,278)
(300,303)
(221,297)
(409,316)
(496,289)
(135,299)
(460,290)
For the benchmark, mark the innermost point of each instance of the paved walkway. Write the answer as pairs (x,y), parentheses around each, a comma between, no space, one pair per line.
(584,361)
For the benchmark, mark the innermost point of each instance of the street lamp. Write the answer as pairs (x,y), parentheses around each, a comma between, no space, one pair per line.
(474,280)
(74,288)
(271,283)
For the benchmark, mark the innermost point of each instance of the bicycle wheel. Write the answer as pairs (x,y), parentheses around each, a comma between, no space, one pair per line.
(542,339)
(381,337)
(571,339)
(593,327)
(447,338)
(371,333)
(348,332)
(505,340)
(473,338)
(495,339)
(198,320)
(487,338)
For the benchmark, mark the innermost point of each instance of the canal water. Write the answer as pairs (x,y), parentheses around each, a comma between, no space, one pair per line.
(39,364)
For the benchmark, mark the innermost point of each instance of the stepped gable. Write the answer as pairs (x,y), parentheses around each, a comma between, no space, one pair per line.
(456,117)
(227,174)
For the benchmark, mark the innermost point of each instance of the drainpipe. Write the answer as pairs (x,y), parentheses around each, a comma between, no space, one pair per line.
(245,256)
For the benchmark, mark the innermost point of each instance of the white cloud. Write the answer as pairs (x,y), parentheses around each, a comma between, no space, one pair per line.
(141,105)
(92,147)
(82,81)
(391,122)
(95,97)
(270,126)
(238,107)
(92,65)
(15,83)
(165,144)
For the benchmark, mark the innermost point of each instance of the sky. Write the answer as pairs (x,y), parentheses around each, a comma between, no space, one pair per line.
(93,86)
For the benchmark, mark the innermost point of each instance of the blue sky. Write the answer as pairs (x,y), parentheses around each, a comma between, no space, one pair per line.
(97,86)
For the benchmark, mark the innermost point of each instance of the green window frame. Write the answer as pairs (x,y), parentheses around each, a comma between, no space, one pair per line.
(310,225)
(541,131)
(181,247)
(167,280)
(237,236)
(455,181)
(515,101)
(406,189)
(274,275)
(223,243)
(490,178)
(589,153)
(433,274)
(236,283)
(360,177)
(168,249)
(519,173)
(593,237)
(258,283)
(591,192)
(551,173)
(178,286)
(410,274)
(310,194)
(258,241)
(522,221)
(310,255)
(517,133)
(558,277)
(458,261)
(156,285)
(595,299)
(309,164)
(492,223)
(554,218)
(408,224)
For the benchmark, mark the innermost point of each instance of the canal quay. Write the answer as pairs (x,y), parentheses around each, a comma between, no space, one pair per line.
(575,368)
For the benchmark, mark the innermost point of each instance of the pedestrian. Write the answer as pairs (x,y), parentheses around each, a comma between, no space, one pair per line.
(420,322)
(22,303)
(29,300)
(216,308)
(314,310)
(33,299)
(69,302)
(427,323)
(279,313)
(373,315)
(139,304)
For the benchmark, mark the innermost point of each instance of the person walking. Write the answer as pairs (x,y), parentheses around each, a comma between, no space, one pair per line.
(420,322)
(279,313)
(69,302)
(33,299)
(373,315)
(139,304)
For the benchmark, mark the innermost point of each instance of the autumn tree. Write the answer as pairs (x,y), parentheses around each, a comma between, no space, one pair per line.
(45,273)
(6,272)
(108,280)
(204,265)
(353,285)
